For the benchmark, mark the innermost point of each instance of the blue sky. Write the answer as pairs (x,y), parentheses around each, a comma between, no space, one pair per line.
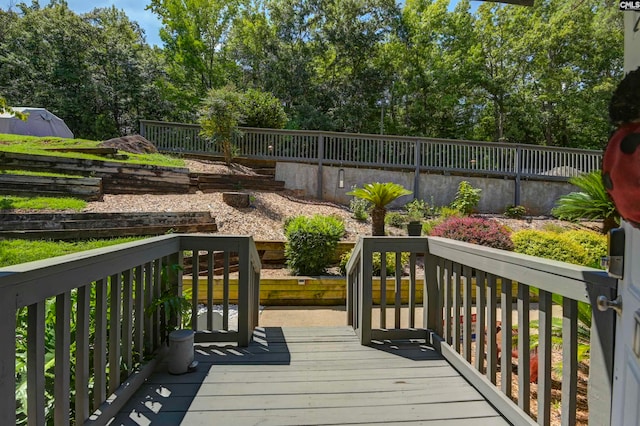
(133,8)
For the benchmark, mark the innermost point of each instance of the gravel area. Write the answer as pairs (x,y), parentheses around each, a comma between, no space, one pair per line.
(265,217)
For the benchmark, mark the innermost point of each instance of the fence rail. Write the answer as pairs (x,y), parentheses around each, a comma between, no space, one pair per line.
(399,152)
(463,279)
(100,302)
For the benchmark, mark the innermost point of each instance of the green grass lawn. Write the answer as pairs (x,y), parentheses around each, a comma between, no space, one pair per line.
(10,202)
(38,145)
(13,252)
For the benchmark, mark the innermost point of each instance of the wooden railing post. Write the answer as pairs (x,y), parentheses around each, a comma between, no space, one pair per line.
(516,198)
(7,360)
(432,309)
(416,177)
(320,158)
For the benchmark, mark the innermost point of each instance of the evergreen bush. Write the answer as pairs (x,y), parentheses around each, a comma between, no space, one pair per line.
(485,232)
(395,219)
(311,243)
(550,245)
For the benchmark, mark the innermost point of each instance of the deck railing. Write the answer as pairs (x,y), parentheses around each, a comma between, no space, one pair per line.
(394,152)
(84,337)
(463,279)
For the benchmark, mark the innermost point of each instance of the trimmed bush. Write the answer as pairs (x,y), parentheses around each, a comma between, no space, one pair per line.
(377,264)
(550,245)
(594,243)
(485,232)
(311,243)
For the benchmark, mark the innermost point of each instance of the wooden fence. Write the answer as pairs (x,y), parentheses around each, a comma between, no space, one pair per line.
(462,279)
(396,152)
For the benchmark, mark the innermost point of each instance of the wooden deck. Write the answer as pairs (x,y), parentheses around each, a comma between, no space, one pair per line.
(311,376)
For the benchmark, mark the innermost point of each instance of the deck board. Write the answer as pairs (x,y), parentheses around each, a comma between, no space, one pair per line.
(311,376)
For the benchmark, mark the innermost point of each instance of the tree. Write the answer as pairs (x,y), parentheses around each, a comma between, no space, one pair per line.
(219,118)
(379,195)
(195,34)
(261,109)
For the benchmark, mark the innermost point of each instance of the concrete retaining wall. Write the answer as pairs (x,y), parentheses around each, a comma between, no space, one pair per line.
(539,197)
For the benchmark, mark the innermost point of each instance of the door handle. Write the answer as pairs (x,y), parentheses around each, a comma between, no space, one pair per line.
(604,303)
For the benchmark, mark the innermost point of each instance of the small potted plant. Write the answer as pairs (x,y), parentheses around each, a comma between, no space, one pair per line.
(416,212)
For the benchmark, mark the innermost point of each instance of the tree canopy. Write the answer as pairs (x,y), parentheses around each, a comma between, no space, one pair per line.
(538,75)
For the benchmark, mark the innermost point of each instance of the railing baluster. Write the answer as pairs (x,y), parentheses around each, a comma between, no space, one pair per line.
(148,297)
(506,368)
(82,353)
(100,345)
(466,303)
(447,302)
(225,290)
(492,354)
(569,361)
(456,306)
(544,358)
(35,363)
(195,284)
(115,332)
(524,355)
(481,303)
(398,301)
(157,293)
(127,320)
(139,314)
(412,291)
(62,369)
(383,289)
(210,270)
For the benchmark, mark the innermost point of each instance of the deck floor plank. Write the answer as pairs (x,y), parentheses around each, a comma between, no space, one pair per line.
(311,376)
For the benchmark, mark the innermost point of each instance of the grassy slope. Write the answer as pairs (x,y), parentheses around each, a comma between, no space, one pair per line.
(19,251)
(38,145)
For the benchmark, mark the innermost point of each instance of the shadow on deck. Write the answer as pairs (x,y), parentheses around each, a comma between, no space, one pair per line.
(302,376)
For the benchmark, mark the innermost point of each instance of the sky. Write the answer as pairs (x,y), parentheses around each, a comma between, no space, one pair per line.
(135,10)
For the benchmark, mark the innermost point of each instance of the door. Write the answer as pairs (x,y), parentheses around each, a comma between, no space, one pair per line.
(626,371)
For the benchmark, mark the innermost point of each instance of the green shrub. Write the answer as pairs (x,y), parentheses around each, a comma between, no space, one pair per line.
(447,212)
(395,219)
(360,209)
(550,245)
(311,243)
(515,212)
(377,264)
(427,226)
(554,227)
(467,198)
(486,232)
(594,243)
(417,209)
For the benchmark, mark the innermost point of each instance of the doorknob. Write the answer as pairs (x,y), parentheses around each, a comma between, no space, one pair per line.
(604,303)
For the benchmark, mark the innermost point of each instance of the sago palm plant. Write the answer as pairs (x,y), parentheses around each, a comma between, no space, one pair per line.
(592,202)
(379,195)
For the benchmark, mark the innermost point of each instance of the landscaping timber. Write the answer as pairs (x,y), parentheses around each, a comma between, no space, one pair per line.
(89,189)
(236,199)
(117,178)
(78,226)
(206,182)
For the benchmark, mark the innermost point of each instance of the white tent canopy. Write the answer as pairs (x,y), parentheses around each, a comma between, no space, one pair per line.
(39,123)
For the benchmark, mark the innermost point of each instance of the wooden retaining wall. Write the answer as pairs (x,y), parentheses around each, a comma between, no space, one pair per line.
(81,226)
(213,183)
(300,291)
(117,178)
(316,291)
(89,189)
